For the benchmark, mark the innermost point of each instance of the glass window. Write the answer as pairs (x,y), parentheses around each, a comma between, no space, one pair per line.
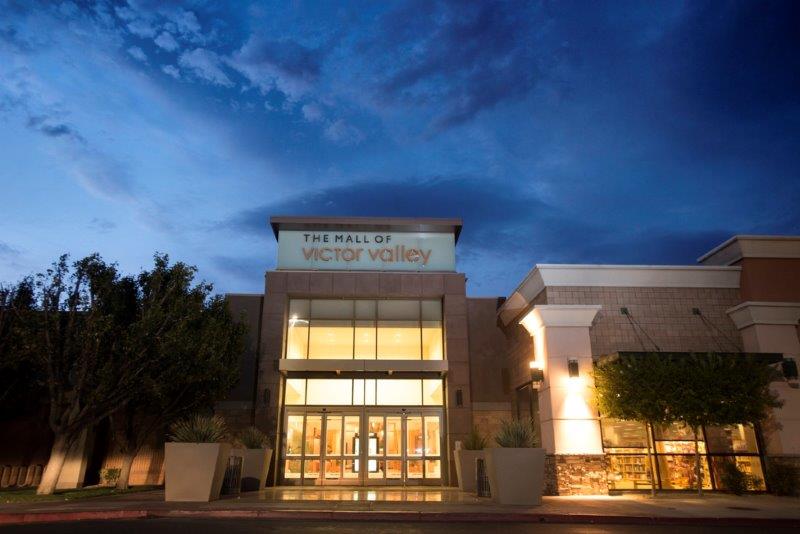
(433,469)
(432,436)
(432,341)
(333,435)
(399,392)
(376,435)
(734,438)
(394,436)
(677,471)
(330,340)
(623,434)
(358,392)
(332,309)
(366,340)
(750,465)
(351,424)
(313,435)
(432,394)
(295,391)
(294,436)
(399,335)
(297,330)
(676,432)
(414,437)
(628,471)
(330,391)
(369,392)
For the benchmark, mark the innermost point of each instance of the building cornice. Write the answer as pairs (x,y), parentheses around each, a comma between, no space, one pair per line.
(554,315)
(558,275)
(764,313)
(752,246)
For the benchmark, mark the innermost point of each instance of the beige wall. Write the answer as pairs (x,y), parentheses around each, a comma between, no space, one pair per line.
(665,314)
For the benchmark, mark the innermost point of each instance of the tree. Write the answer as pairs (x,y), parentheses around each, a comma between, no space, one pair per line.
(635,388)
(194,360)
(722,389)
(70,334)
(16,373)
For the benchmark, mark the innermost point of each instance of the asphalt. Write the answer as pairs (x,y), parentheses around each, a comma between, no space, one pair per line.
(424,505)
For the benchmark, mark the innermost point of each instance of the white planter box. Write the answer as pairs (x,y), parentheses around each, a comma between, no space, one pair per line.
(193,472)
(255,466)
(466,469)
(515,476)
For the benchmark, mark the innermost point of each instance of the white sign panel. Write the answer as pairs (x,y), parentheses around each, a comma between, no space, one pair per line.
(335,250)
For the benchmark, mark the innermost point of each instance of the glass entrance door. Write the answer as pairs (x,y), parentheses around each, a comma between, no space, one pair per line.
(373,447)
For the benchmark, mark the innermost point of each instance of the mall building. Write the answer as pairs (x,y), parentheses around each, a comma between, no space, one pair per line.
(367,362)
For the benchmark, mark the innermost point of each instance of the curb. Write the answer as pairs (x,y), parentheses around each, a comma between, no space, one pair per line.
(413,517)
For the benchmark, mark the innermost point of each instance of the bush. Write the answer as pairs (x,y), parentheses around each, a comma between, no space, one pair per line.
(199,429)
(515,434)
(253,438)
(110,476)
(783,478)
(475,441)
(733,479)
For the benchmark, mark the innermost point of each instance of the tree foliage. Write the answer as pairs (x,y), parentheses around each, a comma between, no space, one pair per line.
(697,390)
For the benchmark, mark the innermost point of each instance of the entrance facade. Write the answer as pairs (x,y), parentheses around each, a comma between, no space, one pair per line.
(363,446)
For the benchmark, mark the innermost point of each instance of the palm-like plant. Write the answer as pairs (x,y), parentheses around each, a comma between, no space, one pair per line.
(515,434)
(475,441)
(199,429)
(253,438)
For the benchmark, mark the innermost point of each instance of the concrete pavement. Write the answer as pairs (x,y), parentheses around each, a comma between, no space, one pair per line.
(425,504)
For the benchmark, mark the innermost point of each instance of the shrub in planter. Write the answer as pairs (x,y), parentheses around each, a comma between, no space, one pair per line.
(256,455)
(466,457)
(195,460)
(783,479)
(515,468)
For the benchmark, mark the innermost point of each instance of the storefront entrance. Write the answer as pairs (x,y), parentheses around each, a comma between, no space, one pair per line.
(362,446)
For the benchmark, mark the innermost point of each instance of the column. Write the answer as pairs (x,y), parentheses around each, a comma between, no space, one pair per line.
(569,421)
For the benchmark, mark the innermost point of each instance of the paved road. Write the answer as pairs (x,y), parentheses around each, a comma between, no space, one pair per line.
(252,526)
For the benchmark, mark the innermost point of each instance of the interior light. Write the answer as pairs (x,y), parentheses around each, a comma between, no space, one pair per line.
(535,364)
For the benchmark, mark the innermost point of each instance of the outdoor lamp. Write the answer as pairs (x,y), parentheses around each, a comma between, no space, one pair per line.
(537,373)
(572,367)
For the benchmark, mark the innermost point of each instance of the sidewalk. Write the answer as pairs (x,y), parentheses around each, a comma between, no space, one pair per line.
(424,504)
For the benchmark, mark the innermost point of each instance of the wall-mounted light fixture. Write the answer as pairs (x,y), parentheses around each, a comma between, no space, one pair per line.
(537,373)
(459,398)
(572,367)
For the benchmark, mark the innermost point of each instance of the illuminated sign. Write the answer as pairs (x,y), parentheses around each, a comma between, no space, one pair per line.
(335,250)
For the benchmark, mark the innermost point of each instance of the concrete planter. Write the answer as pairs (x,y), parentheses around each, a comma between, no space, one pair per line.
(193,472)
(255,466)
(516,476)
(465,469)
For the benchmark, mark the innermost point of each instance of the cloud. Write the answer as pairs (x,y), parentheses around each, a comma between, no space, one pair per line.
(141,28)
(459,59)
(312,112)
(137,54)
(343,133)
(171,70)
(205,65)
(100,225)
(284,65)
(52,128)
(166,41)
(7,251)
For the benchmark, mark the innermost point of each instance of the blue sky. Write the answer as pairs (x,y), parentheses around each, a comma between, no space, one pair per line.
(589,132)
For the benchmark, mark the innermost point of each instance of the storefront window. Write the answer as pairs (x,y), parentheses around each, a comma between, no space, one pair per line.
(674,452)
(364,392)
(364,329)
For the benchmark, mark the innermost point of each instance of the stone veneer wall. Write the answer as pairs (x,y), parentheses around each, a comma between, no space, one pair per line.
(576,474)
(664,313)
(450,287)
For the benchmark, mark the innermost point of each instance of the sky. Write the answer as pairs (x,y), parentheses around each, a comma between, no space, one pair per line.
(560,132)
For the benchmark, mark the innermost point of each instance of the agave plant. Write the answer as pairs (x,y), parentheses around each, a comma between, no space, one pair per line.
(199,429)
(253,438)
(475,441)
(516,434)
